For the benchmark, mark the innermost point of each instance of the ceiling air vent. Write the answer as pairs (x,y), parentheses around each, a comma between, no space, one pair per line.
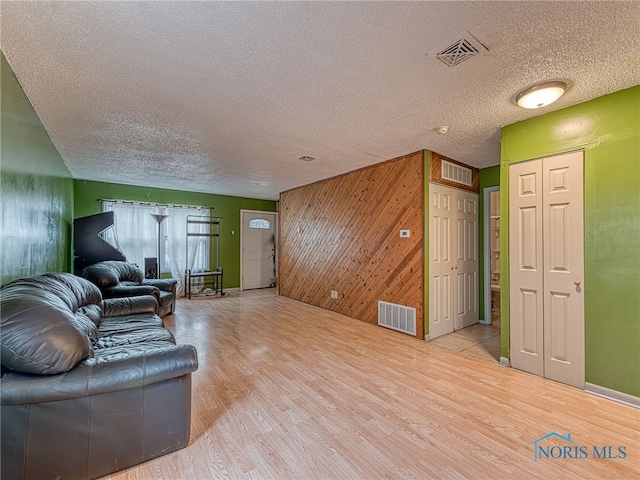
(463,48)
(307,158)
(456,173)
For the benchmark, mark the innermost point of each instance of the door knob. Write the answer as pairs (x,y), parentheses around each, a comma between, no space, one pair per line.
(577,282)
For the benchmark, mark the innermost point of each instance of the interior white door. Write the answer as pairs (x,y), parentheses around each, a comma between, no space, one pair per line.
(466,260)
(440,261)
(525,266)
(258,249)
(563,224)
(453,259)
(546,238)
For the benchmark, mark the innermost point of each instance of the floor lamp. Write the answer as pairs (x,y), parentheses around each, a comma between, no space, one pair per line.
(158,218)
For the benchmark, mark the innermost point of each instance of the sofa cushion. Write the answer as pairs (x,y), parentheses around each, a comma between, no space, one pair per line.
(75,291)
(92,312)
(128,323)
(42,339)
(110,272)
(40,334)
(101,275)
(142,336)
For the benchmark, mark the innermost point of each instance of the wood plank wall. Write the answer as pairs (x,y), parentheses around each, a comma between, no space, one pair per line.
(343,234)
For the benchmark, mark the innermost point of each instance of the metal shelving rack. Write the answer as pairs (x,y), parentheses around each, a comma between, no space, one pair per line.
(214,233)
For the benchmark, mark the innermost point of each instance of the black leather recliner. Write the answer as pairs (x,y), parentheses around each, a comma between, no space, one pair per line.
(121,279)
(88,386)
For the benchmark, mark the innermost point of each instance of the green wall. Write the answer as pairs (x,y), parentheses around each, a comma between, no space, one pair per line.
(489,177)
(36,190)
(608,130)
(87,194)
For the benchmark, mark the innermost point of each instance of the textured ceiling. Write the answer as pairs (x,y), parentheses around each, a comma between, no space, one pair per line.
(223,97)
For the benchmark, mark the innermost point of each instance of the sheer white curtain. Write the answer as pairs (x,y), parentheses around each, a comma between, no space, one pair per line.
(135,231)
(136,234)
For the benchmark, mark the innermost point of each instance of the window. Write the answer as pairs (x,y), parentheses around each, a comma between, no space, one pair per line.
(135,233)
(259,223)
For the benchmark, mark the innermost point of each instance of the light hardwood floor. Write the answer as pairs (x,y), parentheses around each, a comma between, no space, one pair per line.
(289,391)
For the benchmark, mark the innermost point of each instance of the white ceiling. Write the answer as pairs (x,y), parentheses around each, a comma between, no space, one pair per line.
(223,97)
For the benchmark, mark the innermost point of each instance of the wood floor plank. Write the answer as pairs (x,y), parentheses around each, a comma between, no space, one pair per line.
(277,396)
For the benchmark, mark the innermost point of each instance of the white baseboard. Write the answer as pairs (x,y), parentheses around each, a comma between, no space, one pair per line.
(504,361)
(614,395)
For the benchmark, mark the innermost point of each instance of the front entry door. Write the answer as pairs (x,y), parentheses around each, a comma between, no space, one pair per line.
(546,238)
(258,249)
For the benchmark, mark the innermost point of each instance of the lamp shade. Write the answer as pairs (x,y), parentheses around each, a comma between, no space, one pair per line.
(158,217)
(541,95)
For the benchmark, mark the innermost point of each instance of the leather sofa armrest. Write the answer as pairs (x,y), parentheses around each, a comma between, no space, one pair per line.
(130,291)
(164,284)
(114,307)
(119,368)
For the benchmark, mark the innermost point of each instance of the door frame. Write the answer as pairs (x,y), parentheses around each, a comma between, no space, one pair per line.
(487,253)
(277,231)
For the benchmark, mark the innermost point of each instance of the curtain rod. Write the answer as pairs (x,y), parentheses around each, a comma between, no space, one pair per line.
(151,204)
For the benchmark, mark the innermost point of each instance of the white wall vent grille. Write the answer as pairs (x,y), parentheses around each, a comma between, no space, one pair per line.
(397,317)
(456,173)
(463,48)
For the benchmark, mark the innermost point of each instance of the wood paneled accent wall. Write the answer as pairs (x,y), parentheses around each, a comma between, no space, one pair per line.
(343,234)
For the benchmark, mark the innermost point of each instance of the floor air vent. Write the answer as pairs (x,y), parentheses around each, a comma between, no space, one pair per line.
(397,317)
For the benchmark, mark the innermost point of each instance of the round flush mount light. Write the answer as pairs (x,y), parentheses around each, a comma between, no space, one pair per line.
(541,94)
(443,129)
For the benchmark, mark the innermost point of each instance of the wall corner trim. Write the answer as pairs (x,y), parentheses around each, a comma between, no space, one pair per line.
(614,395)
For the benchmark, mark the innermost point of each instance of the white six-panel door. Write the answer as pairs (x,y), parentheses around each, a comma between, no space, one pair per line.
(440,261)
(466,260)
(546,241)
(525,266)
(453,259)
(563,244)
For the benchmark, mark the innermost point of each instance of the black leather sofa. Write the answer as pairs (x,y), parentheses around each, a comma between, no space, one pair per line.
(122,279)
(88,386)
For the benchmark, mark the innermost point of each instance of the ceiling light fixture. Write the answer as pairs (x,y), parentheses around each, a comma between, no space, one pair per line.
(541,94)
(442,129)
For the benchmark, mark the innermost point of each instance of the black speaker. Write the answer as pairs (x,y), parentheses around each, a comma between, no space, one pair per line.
(150,267)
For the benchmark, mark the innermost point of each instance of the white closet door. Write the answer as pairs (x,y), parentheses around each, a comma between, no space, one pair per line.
(440,261)
(564,268)
(453,259)
(525,266)
(546,267)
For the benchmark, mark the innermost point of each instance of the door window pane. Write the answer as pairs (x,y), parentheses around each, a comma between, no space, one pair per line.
(259,223)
